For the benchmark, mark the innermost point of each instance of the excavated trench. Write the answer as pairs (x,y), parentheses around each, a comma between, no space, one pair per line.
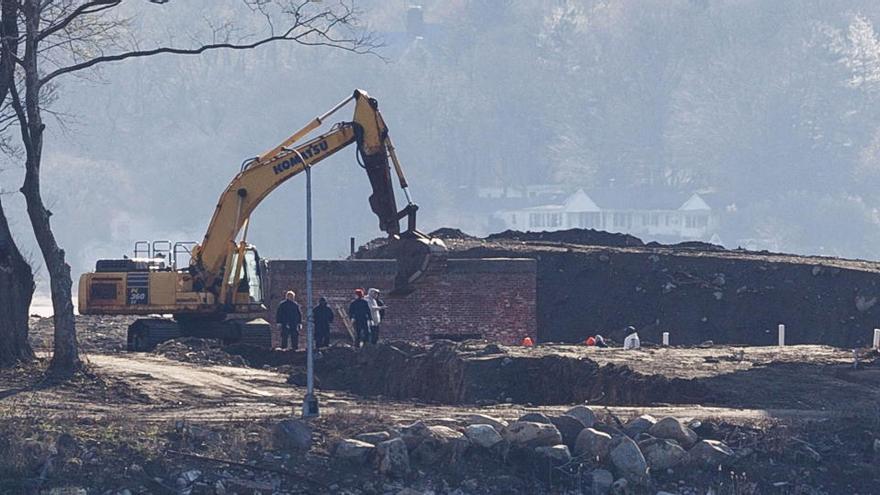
(479,373)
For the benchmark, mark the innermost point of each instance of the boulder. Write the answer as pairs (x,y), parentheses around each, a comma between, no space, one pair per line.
(292,434)
(392,458)
(441,444)
(482,419)
(373,437)
(528,434)
(711,453)
(484,436)
(584,414)
(601,481)
(629,461)
(534,417)
(593,443)
(569,427)
(556,455)
(639,425)
(414,433)
(354,451)
(620,487)
(672,429)
(662,454)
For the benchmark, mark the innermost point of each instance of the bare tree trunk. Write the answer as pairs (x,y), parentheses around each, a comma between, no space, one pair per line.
(66,355)
(17,287)
(16,278)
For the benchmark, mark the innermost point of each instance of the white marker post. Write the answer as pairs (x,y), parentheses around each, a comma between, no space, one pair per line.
(876,338)
(665,338)
(781,335)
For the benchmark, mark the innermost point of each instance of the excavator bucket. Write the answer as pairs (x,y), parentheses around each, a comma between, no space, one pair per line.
(416,255)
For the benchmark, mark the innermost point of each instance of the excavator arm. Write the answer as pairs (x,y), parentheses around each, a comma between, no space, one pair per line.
(261,175)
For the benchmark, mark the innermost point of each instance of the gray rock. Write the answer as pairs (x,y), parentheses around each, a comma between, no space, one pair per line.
(662,454)
(584,414)
(292,434)
(528,434)
(602,481)
(535,418)
(354,451)
(557,455)
(441,444)
(482,419)
(392,458)
(414,433)
(711,453)
(629,461)
(569,427)
(672,429)
(485,436)
(620,487)
(67,490)
(593,443)
(191,475)
(639,425)
(373,437)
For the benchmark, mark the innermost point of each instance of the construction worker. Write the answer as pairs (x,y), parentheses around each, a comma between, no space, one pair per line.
(377,312)
(360,314)
(323,317)
(289,318)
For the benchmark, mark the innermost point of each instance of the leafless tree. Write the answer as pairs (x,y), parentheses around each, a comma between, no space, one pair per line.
(16,277)
(52,38)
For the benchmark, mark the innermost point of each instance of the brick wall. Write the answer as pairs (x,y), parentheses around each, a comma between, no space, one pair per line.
(493,298)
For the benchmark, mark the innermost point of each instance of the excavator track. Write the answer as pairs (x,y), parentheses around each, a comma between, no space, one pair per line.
(147,333)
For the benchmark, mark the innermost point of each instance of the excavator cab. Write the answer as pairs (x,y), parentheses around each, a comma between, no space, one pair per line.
(250,284)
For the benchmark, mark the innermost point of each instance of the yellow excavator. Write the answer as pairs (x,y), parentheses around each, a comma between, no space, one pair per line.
(219,294)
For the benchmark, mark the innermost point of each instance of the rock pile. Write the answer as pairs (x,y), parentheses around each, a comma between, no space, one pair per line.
(610,459)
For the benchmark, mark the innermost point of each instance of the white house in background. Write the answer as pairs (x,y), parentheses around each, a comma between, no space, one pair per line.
(618,211)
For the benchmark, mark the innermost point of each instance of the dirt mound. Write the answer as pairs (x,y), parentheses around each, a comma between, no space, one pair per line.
(479,373)
(450,233)
(586,237)
(591,282)
(198,351)
(258,357)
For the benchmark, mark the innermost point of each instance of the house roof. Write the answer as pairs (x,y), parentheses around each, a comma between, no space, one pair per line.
(639,198)
(580,202)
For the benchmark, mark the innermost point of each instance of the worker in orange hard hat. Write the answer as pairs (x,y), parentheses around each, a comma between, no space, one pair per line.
(527,342)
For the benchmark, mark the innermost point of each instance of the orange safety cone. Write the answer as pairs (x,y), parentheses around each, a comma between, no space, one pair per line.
(590,341)
(527,342)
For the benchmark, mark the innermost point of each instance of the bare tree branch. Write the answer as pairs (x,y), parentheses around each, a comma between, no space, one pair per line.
(92,7)
(312,28)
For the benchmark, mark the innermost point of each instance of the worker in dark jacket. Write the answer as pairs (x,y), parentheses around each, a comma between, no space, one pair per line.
(289,318)
(359,312)
(323,317)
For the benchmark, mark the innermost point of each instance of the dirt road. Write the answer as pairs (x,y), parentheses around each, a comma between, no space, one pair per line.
(173,390)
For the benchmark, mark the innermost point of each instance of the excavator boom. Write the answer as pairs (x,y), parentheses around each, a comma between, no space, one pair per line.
(260,176)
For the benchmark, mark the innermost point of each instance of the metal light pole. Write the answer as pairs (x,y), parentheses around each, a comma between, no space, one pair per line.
(310,402)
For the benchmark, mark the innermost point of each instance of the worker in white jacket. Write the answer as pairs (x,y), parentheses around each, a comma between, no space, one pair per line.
(377,311)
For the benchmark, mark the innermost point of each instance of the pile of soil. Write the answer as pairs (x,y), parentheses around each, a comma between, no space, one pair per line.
(585,237)
(199,351)
(475,372)
(213,352)
(591,282)
(93,333)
